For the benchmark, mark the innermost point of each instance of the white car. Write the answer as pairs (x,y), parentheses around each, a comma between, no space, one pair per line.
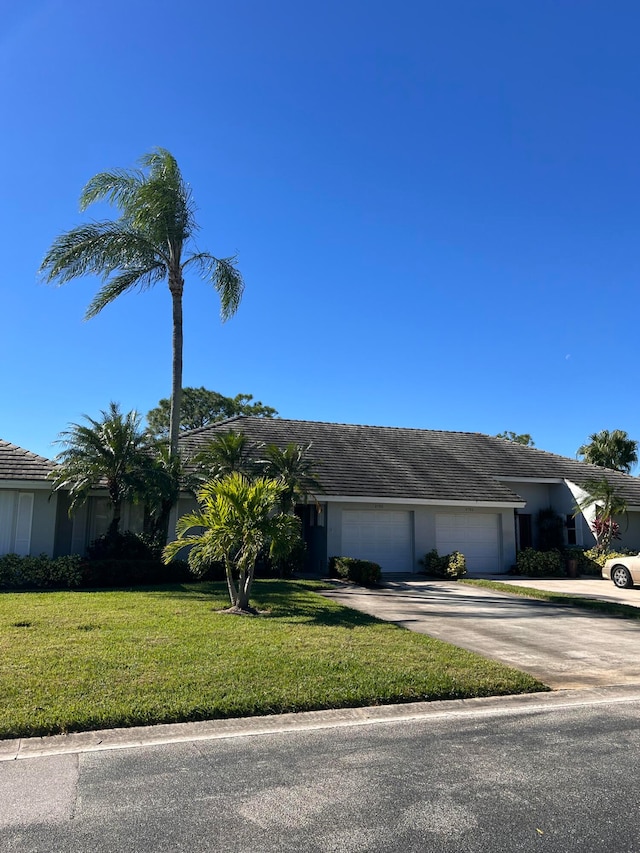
(623,571)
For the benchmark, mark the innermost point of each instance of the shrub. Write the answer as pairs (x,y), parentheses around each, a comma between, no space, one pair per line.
(550,530)
(122,546)
(285,566)
(362,572)
(540,563)
(40,572)
(449,566)
(71,572)
(433,564)
(592,561)
(457,565)
(127,573)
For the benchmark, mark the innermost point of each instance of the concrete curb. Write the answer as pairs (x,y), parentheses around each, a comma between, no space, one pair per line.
(108,739)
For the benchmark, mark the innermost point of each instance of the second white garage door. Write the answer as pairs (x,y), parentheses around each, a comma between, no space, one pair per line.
(384,536)
(473,534)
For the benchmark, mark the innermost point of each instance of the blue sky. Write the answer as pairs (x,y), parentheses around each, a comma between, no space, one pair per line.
(436,208)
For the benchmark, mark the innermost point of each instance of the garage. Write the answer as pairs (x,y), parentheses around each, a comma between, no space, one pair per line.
(384,536)
(476,535)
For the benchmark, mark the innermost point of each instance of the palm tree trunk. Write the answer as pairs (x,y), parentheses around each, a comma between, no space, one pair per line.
(161,527)
(176,285)
(233,593)
(114,525)
(245,584)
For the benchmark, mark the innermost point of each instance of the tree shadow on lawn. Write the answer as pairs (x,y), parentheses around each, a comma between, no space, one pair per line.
(287,601)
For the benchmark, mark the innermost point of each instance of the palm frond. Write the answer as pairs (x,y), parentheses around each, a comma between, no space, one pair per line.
(118,187)
(164,203)
(225,277)
(117,285)
(98,248)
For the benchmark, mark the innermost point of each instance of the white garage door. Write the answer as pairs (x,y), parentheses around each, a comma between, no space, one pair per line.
(473,534)
(383,536)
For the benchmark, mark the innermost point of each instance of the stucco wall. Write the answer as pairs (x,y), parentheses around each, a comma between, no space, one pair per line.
(629,532)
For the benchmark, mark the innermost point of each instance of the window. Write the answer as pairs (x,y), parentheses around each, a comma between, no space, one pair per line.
(525,538)
(572,538)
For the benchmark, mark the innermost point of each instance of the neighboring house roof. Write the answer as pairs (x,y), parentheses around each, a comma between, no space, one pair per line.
(414,464)
(16,463)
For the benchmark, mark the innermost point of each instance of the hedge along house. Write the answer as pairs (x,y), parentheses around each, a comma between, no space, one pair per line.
(392,494)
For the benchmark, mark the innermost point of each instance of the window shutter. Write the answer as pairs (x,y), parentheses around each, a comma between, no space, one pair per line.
(23,524)
(7,503)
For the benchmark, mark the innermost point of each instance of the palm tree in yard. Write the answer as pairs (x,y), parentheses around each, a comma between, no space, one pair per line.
(610,450)
(112,450)
(148,243)
(225,453)
(600,496)
(292,467)
(238,520)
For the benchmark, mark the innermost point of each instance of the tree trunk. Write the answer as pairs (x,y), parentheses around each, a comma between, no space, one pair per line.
(233,593)
(162,530)
(114,526)
(244,588)
(176,286)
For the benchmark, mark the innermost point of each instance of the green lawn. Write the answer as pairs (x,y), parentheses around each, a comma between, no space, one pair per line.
(610,608)
(74,661)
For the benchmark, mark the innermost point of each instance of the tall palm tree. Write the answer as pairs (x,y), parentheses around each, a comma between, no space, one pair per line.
(238,520)
(113,449)
(146,244)
(610,450)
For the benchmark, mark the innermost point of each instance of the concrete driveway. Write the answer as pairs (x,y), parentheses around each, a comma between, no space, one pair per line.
(564,647)
(599,588)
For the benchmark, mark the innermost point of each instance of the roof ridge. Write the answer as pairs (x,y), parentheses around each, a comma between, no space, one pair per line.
(342,424)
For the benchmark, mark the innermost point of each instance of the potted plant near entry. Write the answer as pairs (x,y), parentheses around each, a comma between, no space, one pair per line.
(573,561)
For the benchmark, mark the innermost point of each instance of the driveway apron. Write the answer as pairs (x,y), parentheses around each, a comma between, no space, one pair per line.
(564,647)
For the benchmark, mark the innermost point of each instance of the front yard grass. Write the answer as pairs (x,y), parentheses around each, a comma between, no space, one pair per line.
(73,661)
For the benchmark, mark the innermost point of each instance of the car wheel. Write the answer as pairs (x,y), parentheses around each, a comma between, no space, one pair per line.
(621,577)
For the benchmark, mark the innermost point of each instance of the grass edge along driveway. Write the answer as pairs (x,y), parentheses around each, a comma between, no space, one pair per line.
(76,661)
(566,599)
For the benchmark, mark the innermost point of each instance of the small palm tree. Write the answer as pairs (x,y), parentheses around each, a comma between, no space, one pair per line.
(292,467)
(608,504)
(113,450)
(145,245)
(613,450)
(238,520)
(226,453)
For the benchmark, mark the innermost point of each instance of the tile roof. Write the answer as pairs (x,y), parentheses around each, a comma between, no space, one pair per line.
(16,463)
(419,464)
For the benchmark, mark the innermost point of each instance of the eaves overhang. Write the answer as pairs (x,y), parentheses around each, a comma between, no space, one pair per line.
(26,485)
(545,480)
(381,499)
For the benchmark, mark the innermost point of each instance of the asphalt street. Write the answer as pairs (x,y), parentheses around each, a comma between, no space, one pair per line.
(517,774)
